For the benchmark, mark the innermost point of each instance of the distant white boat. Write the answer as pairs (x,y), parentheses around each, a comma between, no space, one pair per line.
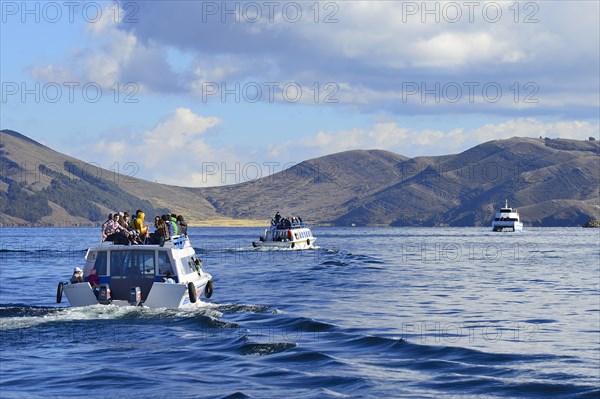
(507,219)
(284,233)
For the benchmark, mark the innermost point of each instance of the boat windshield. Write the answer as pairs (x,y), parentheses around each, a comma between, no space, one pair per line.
(189,264)
(164,264)
(100,264)
(132,264)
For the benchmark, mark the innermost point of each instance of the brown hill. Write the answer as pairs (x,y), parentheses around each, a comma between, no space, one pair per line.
(551,182)
(319,189)
(28,168)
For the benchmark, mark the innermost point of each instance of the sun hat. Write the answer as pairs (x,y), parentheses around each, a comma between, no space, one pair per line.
(77,270)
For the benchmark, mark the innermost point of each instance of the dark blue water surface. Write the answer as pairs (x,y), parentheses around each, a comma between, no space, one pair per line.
(370,313)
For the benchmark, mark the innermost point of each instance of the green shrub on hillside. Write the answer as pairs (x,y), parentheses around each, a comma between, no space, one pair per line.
(80,194)
(18,203)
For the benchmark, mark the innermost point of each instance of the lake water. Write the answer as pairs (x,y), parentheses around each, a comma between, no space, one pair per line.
(370,313)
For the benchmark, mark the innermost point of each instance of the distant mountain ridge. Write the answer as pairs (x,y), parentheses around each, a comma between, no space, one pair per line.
(552,182)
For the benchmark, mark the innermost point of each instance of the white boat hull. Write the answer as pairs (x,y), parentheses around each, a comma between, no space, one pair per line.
(161,295)
(164,295)
(294,236)
(299,244)
(80,294)
(507,219)
(507,226)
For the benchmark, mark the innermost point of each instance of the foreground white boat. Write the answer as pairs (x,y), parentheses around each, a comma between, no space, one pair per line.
(507,219)
(169,276)
(292,235)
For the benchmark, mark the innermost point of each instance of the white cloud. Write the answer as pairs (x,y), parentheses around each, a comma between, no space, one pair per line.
(171,152)
(176,150)
(450,49)
(370,48)
(52,73)
(410,142)
(111,149)
(110,55)
(179,129)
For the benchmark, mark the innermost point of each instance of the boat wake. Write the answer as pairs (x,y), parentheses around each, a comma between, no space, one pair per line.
(20,316)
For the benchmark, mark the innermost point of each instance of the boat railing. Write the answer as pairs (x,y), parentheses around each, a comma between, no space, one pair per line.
(178,241)
(286,226)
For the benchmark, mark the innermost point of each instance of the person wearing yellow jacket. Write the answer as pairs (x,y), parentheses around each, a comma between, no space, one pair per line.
(138,224)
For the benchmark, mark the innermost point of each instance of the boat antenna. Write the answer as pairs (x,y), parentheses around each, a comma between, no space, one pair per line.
(506,203)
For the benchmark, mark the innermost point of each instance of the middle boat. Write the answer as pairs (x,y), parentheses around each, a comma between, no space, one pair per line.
(285,233)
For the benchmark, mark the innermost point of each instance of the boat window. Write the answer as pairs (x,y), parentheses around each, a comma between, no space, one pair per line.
(164,264)
(188,263)
(100,264)
(132,264)
(117,259)
(146,259)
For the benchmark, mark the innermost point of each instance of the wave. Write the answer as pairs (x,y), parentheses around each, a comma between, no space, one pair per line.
(334,263)
(472,372)
(344,258)
(292,351)
(15,316)
(266,349)
(242,308)
(236,395)
(4,252)
(17,310)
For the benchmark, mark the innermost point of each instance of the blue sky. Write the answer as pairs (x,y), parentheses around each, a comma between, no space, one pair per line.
(215,90)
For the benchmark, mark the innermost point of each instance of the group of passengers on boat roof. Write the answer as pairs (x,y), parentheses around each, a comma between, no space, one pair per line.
(286,223)
(121,229)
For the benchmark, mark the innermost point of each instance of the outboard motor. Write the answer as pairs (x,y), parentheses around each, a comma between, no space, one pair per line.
(104,295)
(135,296)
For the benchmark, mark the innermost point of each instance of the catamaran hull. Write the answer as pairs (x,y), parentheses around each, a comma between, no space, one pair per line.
(507,226)
(507,219)
(161,295)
